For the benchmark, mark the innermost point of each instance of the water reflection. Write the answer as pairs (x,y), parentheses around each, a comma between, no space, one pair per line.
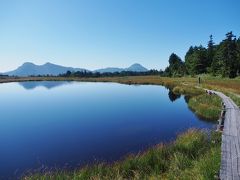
(172,96)
(186,98)
(47,84)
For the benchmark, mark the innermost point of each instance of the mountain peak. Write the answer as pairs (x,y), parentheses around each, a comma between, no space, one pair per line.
(48,64)
(137,68)
(28,64)
(136,64)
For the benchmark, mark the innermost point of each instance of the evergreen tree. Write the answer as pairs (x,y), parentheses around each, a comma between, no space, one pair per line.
(226,61)
(217,66)
(189,61)
(68,73)
(167,72)
(231,55)
(210,53)
(176,66)
(238,55)
(196,60)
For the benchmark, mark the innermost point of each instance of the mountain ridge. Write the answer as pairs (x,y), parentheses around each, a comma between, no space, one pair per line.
(31,69)
(136,67)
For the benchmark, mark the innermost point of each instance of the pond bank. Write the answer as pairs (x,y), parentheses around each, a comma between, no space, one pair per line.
(194,153)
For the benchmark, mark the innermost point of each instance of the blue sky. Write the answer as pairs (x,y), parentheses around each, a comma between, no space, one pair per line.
(106,33)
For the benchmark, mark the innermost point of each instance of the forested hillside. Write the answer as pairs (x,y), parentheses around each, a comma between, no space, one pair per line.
(216,59)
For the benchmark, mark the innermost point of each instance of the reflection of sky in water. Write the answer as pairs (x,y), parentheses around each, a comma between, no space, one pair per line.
(78,122)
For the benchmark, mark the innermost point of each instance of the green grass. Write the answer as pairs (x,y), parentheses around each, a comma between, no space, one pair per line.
(187,90)
(206,106)
(194,154)
(234,97)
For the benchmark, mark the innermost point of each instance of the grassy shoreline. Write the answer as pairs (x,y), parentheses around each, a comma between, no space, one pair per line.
(215,83)
(206,106)
(194,153)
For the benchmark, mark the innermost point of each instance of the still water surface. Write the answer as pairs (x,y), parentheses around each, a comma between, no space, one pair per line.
(69,124)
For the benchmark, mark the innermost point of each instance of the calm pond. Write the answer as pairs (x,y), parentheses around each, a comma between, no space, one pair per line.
(70,124)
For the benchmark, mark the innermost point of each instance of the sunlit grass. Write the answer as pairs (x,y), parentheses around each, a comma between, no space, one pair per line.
(187,90)
(206,106)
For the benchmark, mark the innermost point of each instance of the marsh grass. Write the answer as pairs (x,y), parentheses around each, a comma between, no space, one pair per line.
(206,106)
(187,90)
(195,153)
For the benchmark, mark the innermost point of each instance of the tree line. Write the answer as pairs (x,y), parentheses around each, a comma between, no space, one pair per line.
(110,74)
(221,59)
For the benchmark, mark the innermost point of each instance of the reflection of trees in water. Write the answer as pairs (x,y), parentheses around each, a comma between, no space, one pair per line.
(186,98)
(172,96)
(47,84)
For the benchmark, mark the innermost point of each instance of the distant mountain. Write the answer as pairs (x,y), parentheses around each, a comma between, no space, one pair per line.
(109,69)
(30,69)
(135,68)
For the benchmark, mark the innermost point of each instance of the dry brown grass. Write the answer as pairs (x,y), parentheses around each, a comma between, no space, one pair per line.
(228,85)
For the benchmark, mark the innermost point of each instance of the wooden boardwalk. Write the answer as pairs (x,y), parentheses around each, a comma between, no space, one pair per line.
(230,157)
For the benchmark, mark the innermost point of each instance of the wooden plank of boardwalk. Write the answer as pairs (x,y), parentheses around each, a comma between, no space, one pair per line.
(230,157)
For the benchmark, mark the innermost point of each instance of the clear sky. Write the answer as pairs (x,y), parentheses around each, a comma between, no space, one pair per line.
(105,33)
